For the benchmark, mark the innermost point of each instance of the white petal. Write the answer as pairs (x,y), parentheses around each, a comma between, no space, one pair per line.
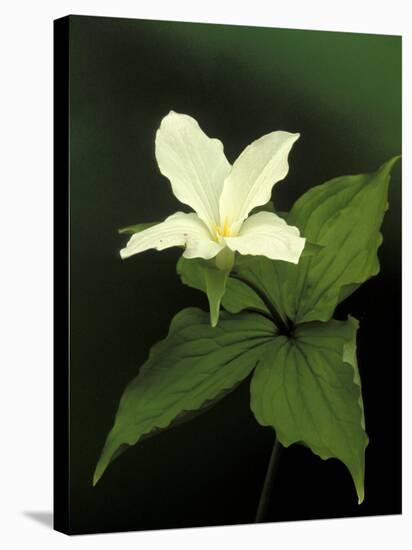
(194,163)
(180,229)
(266,234)
(249,184)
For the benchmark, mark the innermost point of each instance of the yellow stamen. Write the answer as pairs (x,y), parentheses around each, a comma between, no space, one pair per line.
(223,230)
(226,229)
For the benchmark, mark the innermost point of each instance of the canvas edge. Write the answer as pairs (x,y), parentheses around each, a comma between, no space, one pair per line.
(61,265)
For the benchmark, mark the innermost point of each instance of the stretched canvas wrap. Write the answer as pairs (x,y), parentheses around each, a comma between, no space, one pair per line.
(227,275)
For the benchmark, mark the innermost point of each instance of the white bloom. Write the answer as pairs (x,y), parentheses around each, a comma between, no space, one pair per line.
(221,195)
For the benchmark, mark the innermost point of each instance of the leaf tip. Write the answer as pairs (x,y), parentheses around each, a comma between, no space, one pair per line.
(361,495)
(214,316)
(386,168)
(97,475)
(105,459)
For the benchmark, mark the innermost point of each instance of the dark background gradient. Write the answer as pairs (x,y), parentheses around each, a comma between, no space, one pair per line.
(342,92)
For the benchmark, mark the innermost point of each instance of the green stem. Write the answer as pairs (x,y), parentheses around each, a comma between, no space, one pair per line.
(277,319)
(268,483)
(260,312)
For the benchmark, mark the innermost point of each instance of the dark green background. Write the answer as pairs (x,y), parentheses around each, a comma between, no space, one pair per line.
(342,92)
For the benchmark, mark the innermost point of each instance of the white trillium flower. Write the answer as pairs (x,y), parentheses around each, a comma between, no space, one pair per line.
(221,195)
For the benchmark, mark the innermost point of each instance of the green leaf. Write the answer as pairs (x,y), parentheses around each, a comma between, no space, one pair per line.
(311,249)
(308,389)
(205,276)
(343,216)
(192,272)
(255,271)
(215,289)
(190,368)
(237,296)
(264,274)
(240,297)
(132,229)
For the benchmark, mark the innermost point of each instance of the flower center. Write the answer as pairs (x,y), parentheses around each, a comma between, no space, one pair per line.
(223,230)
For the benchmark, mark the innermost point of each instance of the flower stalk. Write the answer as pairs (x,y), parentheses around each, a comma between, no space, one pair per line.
(268,483)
